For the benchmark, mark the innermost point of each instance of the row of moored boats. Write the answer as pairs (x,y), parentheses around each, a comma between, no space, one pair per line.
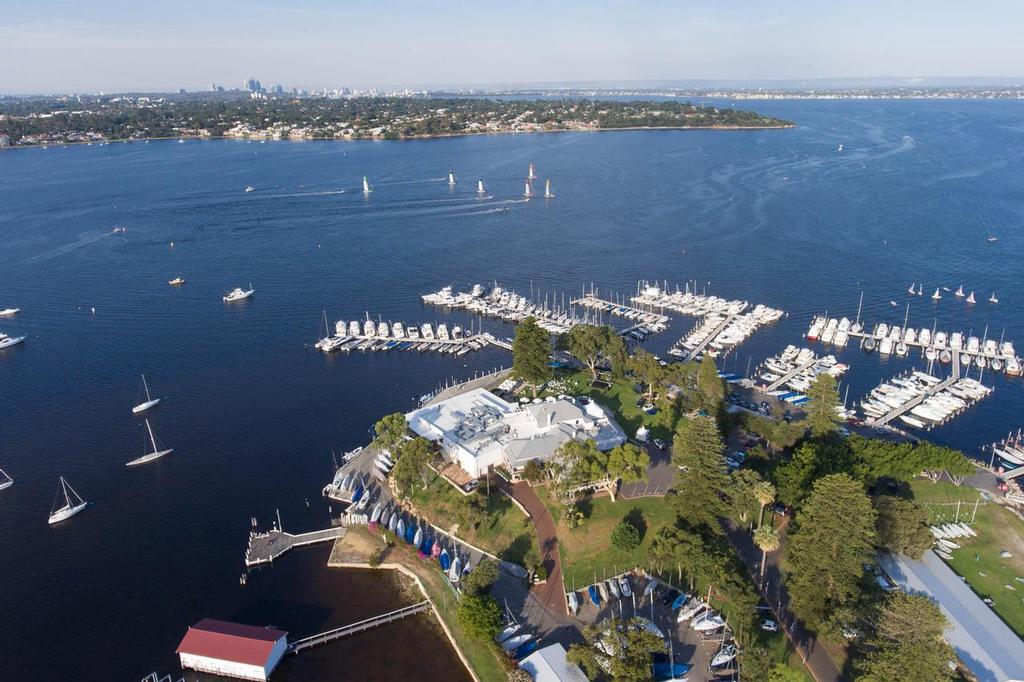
(799,367)
(936,401)
(387,336)
(1011,448)
(505,304)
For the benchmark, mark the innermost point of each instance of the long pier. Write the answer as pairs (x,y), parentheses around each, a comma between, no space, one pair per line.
(265,547)
(620,309)
(699,348)
(917,400)
(301,645)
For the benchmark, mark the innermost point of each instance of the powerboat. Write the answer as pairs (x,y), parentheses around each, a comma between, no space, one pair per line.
(8,341)
(176,282)
(9,312)
(239,294)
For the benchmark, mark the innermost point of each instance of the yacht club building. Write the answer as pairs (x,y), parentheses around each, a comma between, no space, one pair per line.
(477,429)
(245,652)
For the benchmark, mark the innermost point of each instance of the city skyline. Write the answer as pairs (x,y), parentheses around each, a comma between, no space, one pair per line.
(109,45)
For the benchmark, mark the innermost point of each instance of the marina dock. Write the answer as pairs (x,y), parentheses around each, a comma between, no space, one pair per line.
(508,305)
(301,645)
(692,346)
(265,547)
(788,376)
(643,317)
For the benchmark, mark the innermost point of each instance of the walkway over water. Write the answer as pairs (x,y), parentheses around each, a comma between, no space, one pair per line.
(265,547)
(917,400)
(344,631)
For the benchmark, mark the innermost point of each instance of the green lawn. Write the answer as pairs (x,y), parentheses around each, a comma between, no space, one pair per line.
(978,560)
(587,551)
(620,398)
(505,532)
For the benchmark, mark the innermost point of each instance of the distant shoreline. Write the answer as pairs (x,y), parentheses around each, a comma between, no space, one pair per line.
(437,136)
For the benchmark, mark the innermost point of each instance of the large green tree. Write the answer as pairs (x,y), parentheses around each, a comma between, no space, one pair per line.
(628,463)
(902,526)
(480,615)
(743,500)
(620,650)
(701,481)
(531,353)
(413,456)
(821,408)
(710,386)
(576,464)
(647,369)
(907,643)
(834,537)
(390,431)
(482,577)
(590,344)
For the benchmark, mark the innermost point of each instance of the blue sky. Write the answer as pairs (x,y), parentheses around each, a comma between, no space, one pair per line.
(113,45)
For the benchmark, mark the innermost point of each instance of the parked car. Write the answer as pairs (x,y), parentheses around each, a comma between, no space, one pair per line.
(780,509)
(659,443)
(472,485)
(769,626)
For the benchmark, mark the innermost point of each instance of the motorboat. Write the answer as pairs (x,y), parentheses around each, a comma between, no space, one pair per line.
(8,341)
(176,282)
(72,503)
(9,312)
(149,402)
(249,188)
(239,294)
(150,456)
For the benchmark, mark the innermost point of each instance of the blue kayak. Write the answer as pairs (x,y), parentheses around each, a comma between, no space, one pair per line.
(594,595)
(525,650)
(445,560)
(679,601)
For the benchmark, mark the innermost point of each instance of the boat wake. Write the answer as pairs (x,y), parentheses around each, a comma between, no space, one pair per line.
(83,241)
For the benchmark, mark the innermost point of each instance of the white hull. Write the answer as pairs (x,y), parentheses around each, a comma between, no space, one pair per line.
(148,458)
(11,341)
(238,297)
(66,513)
(6,484)
(142,407)
(10,312)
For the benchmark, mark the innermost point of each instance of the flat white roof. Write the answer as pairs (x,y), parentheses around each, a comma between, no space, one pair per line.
(550,665)
(986,645)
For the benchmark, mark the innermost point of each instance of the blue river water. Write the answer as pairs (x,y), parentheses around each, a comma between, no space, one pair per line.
(778,217)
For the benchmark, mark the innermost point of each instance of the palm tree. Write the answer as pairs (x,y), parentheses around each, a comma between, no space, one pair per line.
(764,492)
(767,540)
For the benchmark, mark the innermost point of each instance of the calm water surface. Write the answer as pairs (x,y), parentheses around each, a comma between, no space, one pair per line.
(776,217)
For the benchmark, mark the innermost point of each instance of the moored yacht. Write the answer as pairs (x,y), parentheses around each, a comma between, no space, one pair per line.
(149,402)
(9,312)
(239,294)
(70,503)
(5,480)
(149,456)
(8,341)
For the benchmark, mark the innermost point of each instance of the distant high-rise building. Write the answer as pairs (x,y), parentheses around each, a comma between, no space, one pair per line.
(252,85)
(278,89)
(182,91)
(213,87)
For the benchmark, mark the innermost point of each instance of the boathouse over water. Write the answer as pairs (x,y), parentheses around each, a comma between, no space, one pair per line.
(242,651)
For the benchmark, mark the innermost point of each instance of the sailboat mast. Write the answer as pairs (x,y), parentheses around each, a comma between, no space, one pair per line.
(146,386)
(152,440)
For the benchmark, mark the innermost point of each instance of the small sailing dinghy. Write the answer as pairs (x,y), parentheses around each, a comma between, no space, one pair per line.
(503,636)
(528,192)
(451,178)
(444,560)
(150,400)
(456,570)
(547,190)
(992,298)
(532,173)
(936,296)
(594,596)
(70,501)
(480,187)
(150,456)
(366,186)
(5,480)
(970,297)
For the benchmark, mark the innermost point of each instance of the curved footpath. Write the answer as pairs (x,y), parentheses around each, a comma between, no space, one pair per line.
(552,593)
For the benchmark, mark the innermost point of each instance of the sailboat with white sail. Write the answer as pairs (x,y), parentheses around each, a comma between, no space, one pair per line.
(451,178)
(5,480)
(366,186)
(528,192)
(157,453)
(481,188)
(532,173)
(959,293)
(70,503)
(547,190)
(150,400)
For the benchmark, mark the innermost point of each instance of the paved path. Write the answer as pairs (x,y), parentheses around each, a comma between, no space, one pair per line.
(821,665)
(552,593)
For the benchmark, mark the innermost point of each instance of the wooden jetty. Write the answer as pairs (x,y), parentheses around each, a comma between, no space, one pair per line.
(265,547)
(301,645)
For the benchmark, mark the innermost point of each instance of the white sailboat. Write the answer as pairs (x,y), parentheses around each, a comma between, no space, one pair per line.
(451,177)
(480,187)
(532,173)
(150,456)
(72,503)
(959,293)
(366,186)
(970,297)
(936,296)
(912,290)
(992,298)
(5,480)
(528,191)
(547,190)
(150,400)
(920,289)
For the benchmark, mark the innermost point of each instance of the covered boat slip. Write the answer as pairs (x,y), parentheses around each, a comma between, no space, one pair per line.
(983,642)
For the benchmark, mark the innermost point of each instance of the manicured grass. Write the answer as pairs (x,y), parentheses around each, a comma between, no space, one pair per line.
(621,399)
(506,533)
(978,560)
(587,551)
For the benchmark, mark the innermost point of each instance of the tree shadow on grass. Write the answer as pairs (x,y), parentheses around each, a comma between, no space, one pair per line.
(517,549)
(635,518)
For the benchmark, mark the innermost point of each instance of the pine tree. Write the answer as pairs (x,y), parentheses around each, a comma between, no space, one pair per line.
(531,353)
(908,643)
(835,536)
(701,481)
(821,409)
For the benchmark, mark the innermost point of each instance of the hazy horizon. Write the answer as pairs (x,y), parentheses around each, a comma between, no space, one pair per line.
(116,46)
